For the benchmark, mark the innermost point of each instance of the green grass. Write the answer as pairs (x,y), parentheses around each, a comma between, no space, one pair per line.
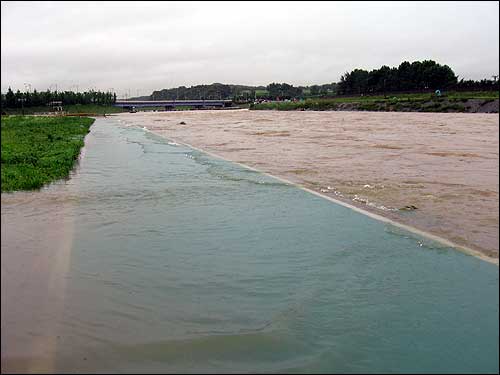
(39,150)
(75,108)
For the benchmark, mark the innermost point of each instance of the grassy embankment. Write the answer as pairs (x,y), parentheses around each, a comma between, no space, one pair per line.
(39,150)
(452,102)
(75,108)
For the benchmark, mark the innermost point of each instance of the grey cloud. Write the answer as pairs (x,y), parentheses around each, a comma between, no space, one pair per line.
(153,45)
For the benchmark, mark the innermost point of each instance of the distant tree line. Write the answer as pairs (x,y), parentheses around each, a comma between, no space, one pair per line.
(42,98)
(286,91)
(241,92)
(482,85)
(413,76)
(416,76)
(203,92)
(283,90)
(328,89)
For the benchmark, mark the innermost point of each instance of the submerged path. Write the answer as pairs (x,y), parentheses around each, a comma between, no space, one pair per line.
(156,257)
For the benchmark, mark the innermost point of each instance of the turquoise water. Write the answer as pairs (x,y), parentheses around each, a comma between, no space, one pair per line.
(181,262)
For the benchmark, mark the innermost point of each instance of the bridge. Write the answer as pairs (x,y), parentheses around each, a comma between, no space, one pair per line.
(170,104)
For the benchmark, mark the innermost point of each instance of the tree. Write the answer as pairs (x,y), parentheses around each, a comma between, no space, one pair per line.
(10,100)
(418,75)
(314,90)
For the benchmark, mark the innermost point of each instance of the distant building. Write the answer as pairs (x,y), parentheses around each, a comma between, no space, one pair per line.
(56,105)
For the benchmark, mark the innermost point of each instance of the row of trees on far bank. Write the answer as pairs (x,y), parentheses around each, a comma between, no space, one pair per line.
(286,91)
(482,85)
(42,98)
(415,76)
(241,92)
(409,77)
(207,92)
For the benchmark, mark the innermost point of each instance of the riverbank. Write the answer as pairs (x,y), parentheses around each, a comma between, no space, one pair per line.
(39,150)
(68,109)
(453,103)
(435,172)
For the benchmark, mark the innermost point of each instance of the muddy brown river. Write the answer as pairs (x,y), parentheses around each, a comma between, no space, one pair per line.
(436,172)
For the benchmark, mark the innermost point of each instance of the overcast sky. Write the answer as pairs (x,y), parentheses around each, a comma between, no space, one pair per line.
(139,47)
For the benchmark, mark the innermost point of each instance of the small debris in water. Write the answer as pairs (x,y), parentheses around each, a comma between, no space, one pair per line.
(182,123)
(409,208)
(358,199)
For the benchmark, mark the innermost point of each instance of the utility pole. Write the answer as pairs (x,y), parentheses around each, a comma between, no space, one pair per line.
(22,100)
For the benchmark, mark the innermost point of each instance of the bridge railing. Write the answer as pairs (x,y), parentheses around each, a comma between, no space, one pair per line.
(173,103)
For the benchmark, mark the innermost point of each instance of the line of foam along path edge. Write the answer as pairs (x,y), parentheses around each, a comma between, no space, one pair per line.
(430,236)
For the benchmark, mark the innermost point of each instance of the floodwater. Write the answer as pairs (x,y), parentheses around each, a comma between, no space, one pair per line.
(446,165)
(155,257)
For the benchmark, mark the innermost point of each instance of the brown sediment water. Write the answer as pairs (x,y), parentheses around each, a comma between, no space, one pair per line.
(37,230)
(37,234)
(433,171)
